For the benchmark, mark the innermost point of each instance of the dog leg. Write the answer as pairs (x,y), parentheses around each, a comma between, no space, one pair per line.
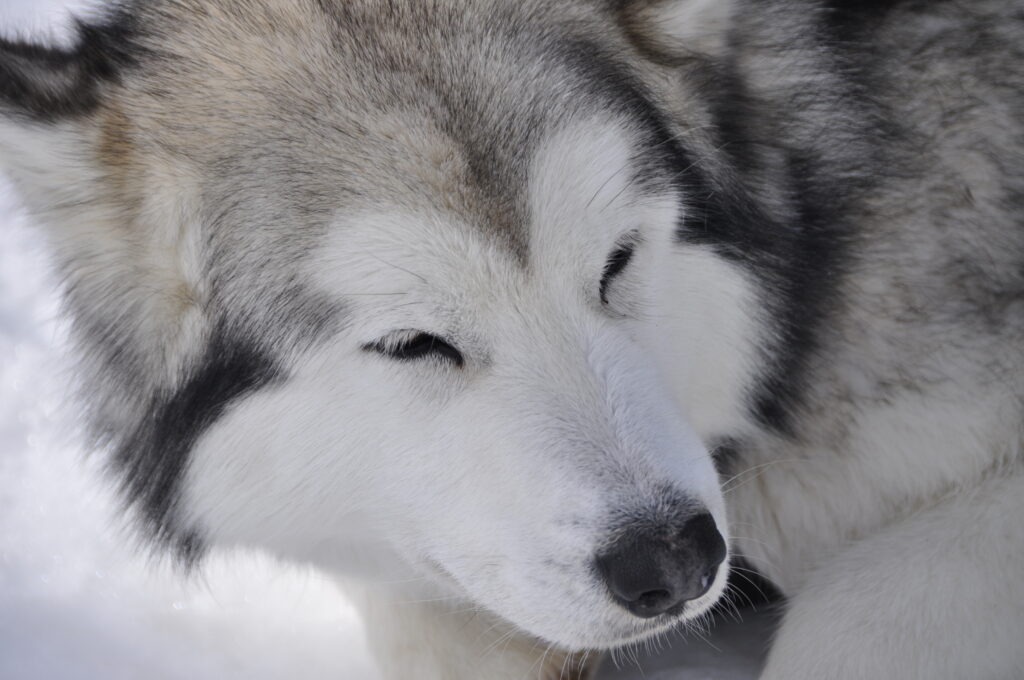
(425,638)
(937,595)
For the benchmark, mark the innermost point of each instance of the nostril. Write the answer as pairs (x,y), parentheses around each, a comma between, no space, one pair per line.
(652,603)
(655,595)
(653,599)
(638,579)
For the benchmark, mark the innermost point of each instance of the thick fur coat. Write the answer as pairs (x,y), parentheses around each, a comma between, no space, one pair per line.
(465,301)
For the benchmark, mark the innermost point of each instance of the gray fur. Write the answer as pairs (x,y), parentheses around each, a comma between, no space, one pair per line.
(864,166)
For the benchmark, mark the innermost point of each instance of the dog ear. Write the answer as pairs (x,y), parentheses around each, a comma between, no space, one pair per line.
(49,98)
(670,30)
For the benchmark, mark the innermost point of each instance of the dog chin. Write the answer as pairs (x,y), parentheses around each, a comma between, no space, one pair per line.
(636,633)
(655,627)
(631,632)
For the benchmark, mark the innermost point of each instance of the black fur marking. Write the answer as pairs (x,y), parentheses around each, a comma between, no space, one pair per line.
(800,263)
(48,84)
(733,108)
(152,459)
(851,21)
(794,260)
(799,260)
(800,256)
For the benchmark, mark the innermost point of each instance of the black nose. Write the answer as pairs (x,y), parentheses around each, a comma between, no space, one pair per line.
(653,570)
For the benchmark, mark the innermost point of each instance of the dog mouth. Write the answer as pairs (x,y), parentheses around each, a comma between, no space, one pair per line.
(625,623)
(655,627)
(677,618)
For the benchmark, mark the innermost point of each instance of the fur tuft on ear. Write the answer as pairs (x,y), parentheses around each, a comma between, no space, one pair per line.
(121,221)
(48,84)
(669,30)
(49,101)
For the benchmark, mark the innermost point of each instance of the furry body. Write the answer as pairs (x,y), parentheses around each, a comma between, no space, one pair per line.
(259,207)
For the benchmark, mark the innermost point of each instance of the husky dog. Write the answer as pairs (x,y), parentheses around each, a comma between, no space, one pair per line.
(499,309)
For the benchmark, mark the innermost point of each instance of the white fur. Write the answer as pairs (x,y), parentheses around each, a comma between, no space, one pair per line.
(905,453)
(497,478)
(700,296)
(49,164)
(470,502)
(155,244)
(865,613)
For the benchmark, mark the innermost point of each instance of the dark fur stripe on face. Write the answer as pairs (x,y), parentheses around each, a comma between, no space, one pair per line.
(798,260)
(799,253)
(48,84)
(152,460)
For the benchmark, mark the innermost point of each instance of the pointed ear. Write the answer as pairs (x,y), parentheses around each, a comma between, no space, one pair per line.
(48,98)
(670,30)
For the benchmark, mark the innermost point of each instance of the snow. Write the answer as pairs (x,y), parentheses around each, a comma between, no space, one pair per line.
(79,600)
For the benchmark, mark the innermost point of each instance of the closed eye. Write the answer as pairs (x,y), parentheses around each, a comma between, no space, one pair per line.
(413,345)
(617,262)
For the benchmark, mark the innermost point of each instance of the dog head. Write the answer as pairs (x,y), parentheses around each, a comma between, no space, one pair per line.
(383,285)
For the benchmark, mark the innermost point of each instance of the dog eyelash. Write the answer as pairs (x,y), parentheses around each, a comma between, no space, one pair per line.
(417,346)
(617,262)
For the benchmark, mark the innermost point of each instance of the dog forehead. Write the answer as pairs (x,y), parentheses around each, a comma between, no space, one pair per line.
(399,259)
(581,195)
(370,102)
(575,189)
(487,131)
(582,179)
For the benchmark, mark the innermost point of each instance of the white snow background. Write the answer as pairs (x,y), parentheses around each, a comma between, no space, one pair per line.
(77,600)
